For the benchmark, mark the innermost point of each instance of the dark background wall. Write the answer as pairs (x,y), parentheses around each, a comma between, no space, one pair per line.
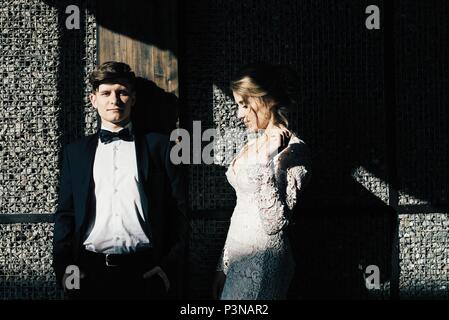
(373,111)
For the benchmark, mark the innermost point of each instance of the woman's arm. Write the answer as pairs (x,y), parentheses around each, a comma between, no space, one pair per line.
(280,181)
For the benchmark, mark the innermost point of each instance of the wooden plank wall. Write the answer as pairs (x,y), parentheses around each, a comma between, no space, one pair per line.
(142,34)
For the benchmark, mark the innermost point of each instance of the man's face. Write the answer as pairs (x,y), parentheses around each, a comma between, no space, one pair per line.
(113,103)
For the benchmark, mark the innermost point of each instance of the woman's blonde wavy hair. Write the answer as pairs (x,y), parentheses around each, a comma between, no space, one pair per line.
(268,85)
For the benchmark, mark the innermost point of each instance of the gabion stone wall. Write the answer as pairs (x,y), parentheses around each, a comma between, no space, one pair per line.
(29,68)
(422,149)
(424,255)
(25,262)
(42,101)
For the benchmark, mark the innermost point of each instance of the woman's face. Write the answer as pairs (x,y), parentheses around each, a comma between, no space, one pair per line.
(254,115)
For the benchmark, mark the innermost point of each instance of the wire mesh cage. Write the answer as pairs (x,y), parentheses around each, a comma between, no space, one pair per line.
(43,103)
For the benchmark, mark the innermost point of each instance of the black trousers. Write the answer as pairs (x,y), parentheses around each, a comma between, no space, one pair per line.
(117,277)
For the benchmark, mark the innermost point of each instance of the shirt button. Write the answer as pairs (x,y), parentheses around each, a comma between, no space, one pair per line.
(117,238)
(115,168)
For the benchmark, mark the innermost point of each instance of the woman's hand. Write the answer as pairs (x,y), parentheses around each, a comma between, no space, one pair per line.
(275,140)
(218,284)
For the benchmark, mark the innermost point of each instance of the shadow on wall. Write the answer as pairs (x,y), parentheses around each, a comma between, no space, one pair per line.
(71,73)
(333,247)
(143,21)
(155,110)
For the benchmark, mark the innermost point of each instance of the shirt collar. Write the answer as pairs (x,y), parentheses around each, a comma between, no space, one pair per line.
(129,126)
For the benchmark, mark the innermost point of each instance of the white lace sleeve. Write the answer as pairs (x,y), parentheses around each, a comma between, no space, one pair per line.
(280,182)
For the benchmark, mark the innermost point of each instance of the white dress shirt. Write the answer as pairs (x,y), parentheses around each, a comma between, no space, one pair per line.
(119,200)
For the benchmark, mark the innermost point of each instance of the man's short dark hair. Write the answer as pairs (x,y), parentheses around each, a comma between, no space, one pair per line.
(112,72)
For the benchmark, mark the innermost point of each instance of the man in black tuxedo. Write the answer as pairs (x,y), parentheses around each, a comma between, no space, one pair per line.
(121,216)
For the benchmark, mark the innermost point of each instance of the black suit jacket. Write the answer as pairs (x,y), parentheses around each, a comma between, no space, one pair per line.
(163,184)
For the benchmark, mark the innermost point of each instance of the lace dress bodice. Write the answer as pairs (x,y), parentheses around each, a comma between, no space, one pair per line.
(256,257)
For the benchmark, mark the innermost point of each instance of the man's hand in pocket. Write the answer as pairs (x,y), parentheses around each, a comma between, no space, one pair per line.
(157,271)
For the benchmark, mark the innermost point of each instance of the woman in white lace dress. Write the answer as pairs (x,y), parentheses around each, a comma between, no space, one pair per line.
(267,175)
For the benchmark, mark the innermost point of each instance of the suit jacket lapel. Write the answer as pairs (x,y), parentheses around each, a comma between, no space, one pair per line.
(85,166)
(142,164)
(142,158)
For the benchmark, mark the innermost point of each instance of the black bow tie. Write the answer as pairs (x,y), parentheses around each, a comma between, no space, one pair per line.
(107,136)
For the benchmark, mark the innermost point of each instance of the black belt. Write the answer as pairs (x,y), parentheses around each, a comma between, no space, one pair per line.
(120,260)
